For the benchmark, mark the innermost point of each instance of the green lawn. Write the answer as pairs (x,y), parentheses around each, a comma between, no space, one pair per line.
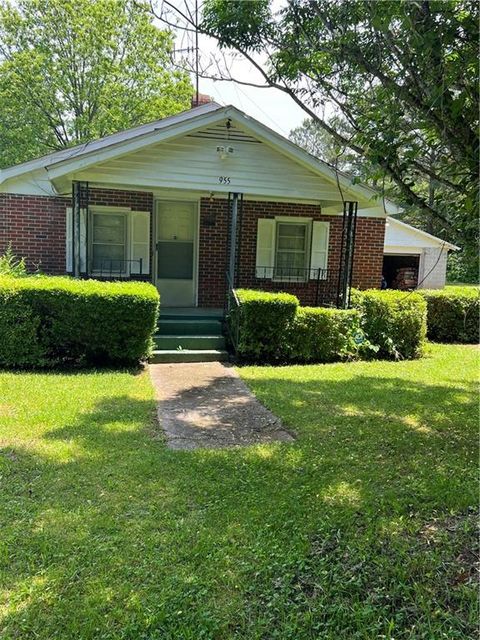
(362,529)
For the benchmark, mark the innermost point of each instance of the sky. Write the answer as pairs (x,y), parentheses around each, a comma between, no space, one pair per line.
(272,107)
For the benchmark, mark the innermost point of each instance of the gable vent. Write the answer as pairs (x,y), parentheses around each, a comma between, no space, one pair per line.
(219,132)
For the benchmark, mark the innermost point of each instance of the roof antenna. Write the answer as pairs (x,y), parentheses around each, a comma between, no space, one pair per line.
(197,93)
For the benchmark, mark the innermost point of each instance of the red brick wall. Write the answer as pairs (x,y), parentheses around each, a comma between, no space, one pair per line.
(35,225)
(136,200)
(368,257)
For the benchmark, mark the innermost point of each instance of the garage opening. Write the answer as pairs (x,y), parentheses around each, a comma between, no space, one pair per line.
(401,272)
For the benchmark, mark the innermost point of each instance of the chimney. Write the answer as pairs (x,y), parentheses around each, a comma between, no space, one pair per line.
(199,99)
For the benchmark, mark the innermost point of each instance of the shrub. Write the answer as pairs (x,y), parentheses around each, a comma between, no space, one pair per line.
(325,335)
(273,328)
(10,265)
(453,314)
(394,321)
(47,321)
(261,323)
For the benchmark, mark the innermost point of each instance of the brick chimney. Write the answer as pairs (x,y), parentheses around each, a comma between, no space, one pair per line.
(202,98)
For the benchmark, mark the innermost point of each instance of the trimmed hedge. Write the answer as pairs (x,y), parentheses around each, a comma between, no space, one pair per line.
(318,334)
(48,321)
(394,322)
(272,327)
(453,314)
(261,323)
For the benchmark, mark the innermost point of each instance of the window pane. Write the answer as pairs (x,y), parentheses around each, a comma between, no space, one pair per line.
(291,236)
(285,242)
(106,257)
(291,254)
(288,229)
(109,228)
(290,260)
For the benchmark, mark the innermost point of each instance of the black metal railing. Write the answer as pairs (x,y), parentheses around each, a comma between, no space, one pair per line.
(316,287)
(117,269)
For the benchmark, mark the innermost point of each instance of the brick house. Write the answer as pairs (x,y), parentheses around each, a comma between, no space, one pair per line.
(182,201)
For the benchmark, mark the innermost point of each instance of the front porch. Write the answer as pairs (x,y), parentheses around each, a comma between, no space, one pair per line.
(194,248)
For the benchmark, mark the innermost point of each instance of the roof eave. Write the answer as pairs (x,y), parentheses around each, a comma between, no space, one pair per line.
(439,241)
(112,141)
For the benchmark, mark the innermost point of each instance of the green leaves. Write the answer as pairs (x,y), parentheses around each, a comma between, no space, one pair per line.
(245,23)
(403,75)
(81,70)
(50,321)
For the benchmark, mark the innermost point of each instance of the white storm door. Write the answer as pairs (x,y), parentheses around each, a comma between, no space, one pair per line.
(176,250)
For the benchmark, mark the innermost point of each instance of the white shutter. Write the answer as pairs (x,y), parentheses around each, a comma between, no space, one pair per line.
(140,241)
(265,248)
(319,256)
(83,241)
(68,241)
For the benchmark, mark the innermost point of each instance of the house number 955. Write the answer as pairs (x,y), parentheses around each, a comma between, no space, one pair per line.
(224,179)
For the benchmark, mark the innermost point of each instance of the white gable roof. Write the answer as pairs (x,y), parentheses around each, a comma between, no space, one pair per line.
(63,163)
(399,234)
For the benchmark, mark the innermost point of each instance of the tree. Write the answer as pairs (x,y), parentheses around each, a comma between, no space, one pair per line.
(403,75)
(321,144)
(75,70)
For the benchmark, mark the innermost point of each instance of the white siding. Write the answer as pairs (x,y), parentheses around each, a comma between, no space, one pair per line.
(401,236)
(192,162)
(433,268)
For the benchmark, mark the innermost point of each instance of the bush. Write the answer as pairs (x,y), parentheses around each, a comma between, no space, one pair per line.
(261,322)
(453,314)
(48,321)
(10,265)
(394,321)
(325,335)
(273,328)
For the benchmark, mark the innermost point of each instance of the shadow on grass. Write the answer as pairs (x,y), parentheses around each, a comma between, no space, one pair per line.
(321,538)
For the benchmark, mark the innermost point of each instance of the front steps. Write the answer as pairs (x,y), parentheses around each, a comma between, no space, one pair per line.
(189,336)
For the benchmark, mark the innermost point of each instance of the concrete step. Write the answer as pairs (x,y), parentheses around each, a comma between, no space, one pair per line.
(188,355)
(166,315)
(183,327)
(189,341)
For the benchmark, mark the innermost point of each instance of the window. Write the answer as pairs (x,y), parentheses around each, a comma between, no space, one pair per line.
(291,251)
(109,242)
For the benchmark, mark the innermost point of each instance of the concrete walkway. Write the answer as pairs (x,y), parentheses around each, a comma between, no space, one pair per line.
(207,405)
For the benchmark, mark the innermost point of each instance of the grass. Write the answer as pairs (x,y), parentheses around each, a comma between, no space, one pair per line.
(363,528)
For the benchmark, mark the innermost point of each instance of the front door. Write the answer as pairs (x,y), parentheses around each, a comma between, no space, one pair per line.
(176,253)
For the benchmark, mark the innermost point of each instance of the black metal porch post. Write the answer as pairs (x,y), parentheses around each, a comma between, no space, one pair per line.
(233,238)
(349,229)
(76,195)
